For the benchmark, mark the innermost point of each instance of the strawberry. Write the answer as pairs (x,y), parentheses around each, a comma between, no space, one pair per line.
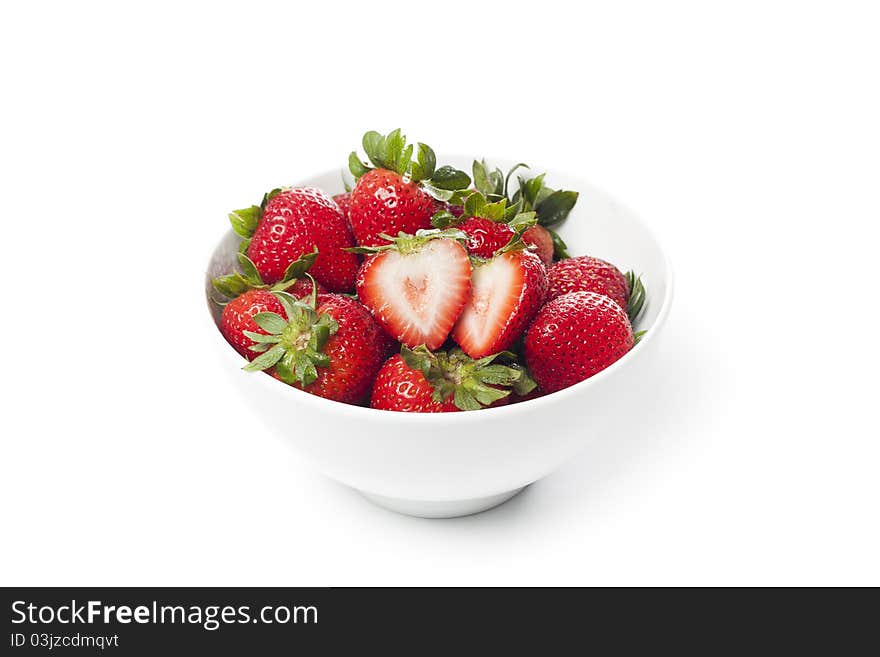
(550,206)
(249,278)
(327,345)
(291,223)
(490,226)
(485,236)
(540,238)
(416,285)
(400,194)
(589,274)
(573,337)
(421,381)
(238,317)
(506,292)
(344,203)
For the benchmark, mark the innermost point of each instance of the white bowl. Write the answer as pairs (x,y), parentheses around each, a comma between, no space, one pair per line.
(451,464)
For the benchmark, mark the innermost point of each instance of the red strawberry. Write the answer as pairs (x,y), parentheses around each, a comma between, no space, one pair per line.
(238,316)
(399,195)
(382,202)
(419,381)
(416,286)
(588,274)
(485,236)
(540,238)
(573,337)
(506,292)
(295,222)
(329,346)
(344,203)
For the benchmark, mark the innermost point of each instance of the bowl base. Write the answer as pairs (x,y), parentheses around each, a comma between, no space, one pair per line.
(442,509)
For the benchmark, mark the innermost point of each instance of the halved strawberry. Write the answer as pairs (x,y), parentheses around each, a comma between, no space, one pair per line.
(416,285)
(506,292)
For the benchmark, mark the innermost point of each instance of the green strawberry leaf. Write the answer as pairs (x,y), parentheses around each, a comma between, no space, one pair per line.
(495,211)
(231,285)
(450,178)
(244,222)
(443,219)
(299,267)
(465,400)
(636,296)
(512,210)
(555,207)
(262,337)
(270,322)
(509,174)
(529,190)
(525,383)
(356,167)
(249,271)
(560,251)
(392,151)
(374,147)
(474,205)
(266,360)
(481,178)
(425,164)
(437,193)
(523,221)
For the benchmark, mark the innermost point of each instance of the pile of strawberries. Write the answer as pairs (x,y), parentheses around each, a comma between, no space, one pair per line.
(422,290)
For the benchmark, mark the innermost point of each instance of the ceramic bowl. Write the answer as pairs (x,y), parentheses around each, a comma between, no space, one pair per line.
(453,464)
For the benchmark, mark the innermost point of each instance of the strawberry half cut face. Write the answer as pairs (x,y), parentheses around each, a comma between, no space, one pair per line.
(506,292)
(416,295)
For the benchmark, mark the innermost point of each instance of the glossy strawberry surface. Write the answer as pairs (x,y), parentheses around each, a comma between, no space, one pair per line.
(382,202)
(238,315)
(485,236)
(538,238)
(588,274)
(575,336)
(294,223)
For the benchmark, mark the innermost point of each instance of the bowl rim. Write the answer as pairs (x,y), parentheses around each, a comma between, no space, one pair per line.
(355,412)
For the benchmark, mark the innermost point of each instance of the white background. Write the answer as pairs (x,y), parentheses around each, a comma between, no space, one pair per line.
(745,133)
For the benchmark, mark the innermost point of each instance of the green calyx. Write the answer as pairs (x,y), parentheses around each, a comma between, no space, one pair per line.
(472,384)
(393,153)
(501,211)
(476,204)
(293,346)
(239,282)
(406,243)
(551,206)
(636,296)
